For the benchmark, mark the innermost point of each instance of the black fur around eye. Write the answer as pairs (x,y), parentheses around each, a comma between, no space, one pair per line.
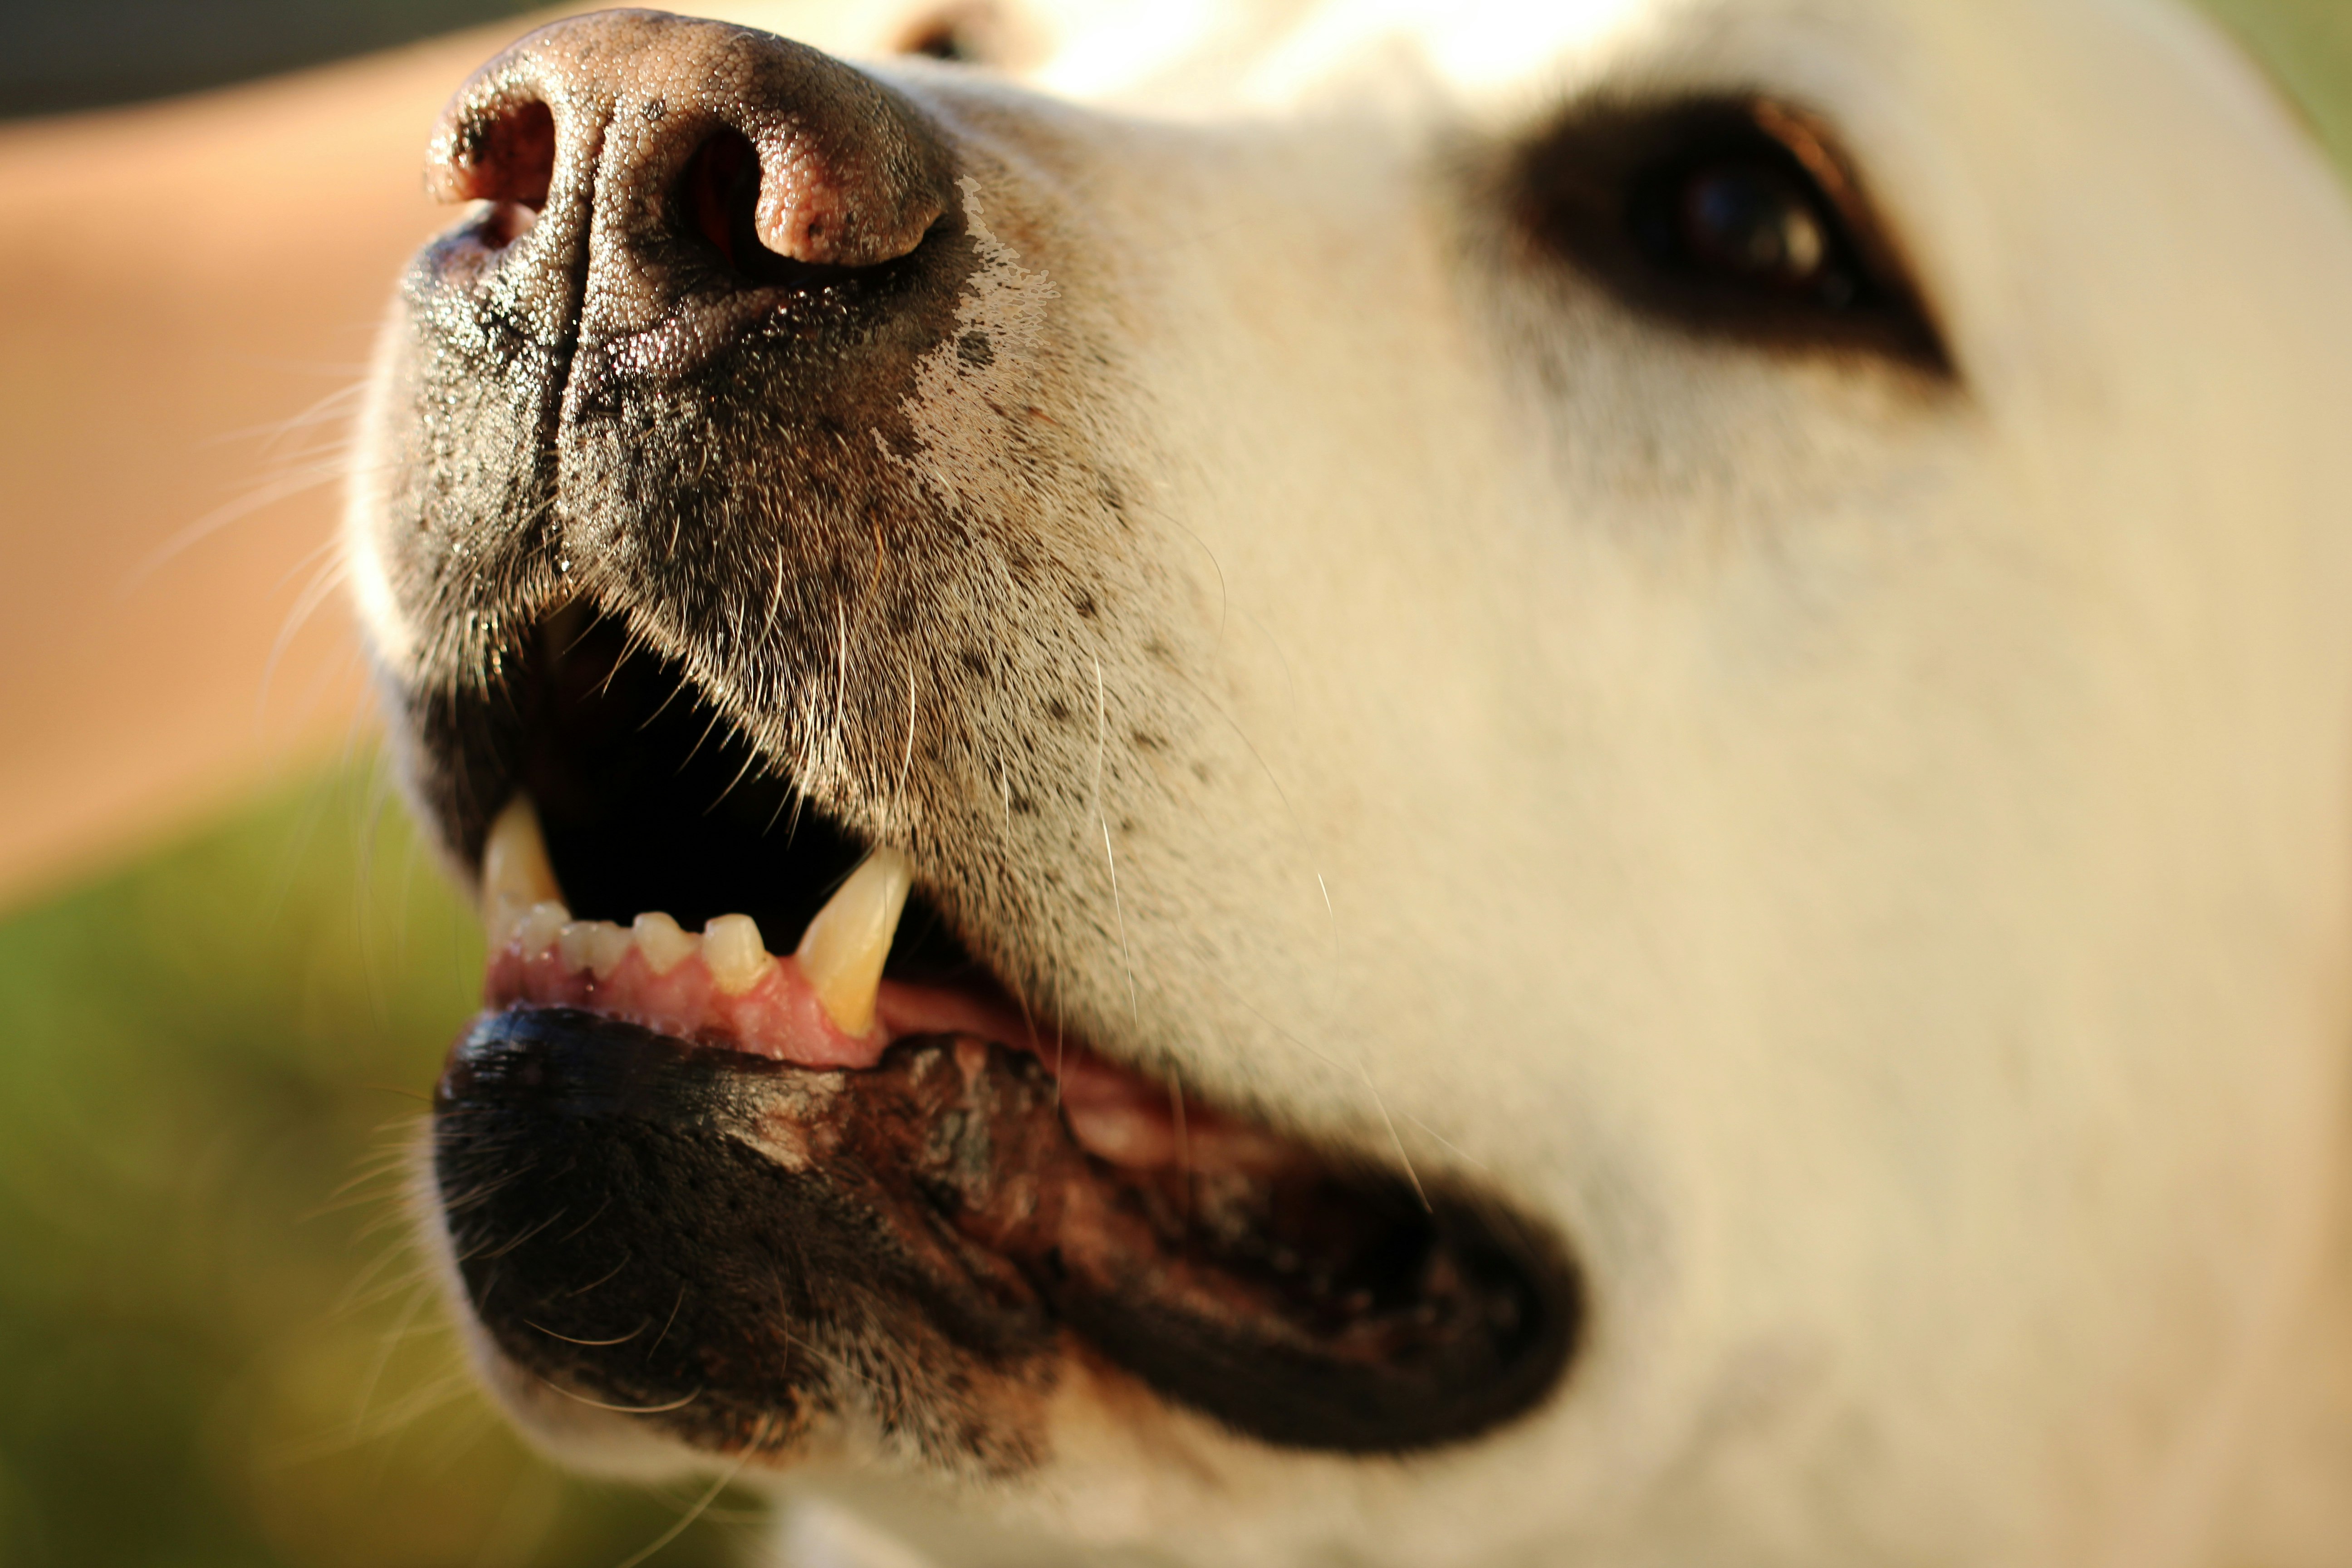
(1735,219)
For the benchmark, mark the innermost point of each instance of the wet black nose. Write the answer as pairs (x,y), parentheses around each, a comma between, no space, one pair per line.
(641,165)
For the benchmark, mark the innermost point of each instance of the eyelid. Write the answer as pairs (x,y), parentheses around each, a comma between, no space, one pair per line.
(1791,131)
(1808,143)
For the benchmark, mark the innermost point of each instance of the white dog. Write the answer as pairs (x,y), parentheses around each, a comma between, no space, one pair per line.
(1610,745)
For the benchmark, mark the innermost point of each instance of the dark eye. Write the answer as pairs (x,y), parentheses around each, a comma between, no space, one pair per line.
(940,40)
(1747,222)
(970,35)
(1735,219)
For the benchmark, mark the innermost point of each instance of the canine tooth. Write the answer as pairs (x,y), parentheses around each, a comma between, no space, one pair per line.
(540,927)
(732,948)
(665,945)
(516,875)
(843,949)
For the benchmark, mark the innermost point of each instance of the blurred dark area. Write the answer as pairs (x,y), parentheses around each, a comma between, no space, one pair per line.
(59,55)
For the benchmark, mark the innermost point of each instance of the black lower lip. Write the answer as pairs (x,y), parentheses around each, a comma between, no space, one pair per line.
(628,1231)
(736,1249)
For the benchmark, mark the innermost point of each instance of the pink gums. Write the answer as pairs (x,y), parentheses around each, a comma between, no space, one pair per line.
(1120,1116)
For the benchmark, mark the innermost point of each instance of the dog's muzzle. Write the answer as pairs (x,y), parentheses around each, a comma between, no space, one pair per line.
(649,523)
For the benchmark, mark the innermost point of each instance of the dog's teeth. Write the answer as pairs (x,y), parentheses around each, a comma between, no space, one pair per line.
(571,944)
(608,945)
(1122,1133)
(733,951)
(598,945)
(663,943)
(516,875)
(843,949)
(540,927)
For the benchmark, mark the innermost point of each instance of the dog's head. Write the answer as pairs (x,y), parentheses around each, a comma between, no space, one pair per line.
(1540,779)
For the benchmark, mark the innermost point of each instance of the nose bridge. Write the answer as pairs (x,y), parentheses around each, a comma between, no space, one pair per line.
(592,123)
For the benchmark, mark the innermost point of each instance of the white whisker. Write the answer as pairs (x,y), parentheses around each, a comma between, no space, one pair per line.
(1119,915)
(677,1403)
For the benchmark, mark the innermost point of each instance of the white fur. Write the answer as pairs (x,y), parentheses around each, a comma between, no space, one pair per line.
(1869,859)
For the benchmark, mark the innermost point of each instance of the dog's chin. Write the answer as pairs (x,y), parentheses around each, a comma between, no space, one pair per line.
(692,1213)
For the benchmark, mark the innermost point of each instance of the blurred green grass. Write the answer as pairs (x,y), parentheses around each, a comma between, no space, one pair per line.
(220,1351)
(2307,46)
(219,1343)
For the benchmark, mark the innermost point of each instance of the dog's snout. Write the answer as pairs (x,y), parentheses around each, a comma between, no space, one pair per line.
(712,274)
(666,159)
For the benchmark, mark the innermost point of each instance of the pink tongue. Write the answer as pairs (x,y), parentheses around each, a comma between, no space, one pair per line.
(1117,1115)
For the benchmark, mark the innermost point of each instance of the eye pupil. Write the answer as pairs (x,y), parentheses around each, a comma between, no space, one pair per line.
(1752,223)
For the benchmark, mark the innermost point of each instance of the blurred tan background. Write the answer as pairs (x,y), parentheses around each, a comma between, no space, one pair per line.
(228,971)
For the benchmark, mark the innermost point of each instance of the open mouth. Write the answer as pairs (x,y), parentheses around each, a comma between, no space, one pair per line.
(746,1139)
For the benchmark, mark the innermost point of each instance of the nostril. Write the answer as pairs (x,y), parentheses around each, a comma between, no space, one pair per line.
(509,156)
(505,222)
(718,204)
(719,197)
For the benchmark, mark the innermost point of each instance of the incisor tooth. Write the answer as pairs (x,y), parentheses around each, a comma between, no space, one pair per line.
(575,944)
(843,949)
(732,949)
(540,927)
(515,872)
(663,943)
(608,945)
